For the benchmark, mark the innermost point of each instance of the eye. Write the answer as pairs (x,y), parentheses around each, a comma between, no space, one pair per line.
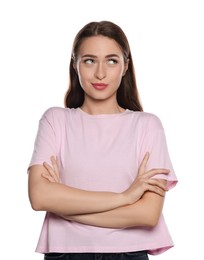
(88,61)
(112,61)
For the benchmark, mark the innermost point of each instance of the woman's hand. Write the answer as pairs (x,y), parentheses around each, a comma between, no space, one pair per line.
(144,182)
(53,172)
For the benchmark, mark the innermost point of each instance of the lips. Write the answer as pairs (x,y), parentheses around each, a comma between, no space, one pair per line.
(99,86)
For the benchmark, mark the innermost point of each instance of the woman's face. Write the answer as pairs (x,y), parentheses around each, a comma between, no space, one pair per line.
(100,67)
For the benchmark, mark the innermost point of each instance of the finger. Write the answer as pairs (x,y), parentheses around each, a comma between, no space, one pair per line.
(48,167)
(50,171)
(158,183)
(143,164)
(54,169)
(55,166)
(156,190)
(154,172)
(48,177)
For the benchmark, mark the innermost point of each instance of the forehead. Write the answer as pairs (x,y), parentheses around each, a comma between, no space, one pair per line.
(99,46)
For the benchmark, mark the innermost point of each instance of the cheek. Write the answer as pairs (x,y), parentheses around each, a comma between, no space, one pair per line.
(83,74)
(84,78)
(117,75)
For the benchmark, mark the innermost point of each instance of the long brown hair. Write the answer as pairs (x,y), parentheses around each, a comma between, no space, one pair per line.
(127,94)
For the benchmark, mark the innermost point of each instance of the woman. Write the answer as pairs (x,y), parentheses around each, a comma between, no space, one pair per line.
(100,167)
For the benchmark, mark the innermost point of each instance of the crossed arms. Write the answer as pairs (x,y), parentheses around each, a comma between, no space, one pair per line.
(139,205)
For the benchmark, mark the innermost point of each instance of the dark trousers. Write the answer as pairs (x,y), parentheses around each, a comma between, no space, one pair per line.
(141,255)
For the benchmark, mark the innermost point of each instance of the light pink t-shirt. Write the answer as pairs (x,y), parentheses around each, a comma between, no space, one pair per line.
(101,153)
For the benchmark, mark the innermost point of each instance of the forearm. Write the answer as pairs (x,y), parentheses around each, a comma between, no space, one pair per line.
(63,200)
(142,213)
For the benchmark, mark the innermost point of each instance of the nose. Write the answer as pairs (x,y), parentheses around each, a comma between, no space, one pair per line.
(100,71)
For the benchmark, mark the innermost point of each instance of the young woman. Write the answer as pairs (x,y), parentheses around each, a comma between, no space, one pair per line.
(100,167)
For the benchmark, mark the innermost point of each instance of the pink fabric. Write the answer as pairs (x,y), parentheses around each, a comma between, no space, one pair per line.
(101,153)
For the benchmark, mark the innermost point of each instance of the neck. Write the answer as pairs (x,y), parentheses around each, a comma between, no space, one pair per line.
(101,107)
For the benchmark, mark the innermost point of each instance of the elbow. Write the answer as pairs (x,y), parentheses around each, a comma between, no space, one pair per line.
(35,205)
(36,202)
(37,188)
(152,224)
(144,220)
(152,221)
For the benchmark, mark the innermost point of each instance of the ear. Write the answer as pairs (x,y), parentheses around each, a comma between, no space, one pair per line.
(126,67)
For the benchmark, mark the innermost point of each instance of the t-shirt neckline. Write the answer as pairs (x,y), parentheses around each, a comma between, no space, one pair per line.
(102,115)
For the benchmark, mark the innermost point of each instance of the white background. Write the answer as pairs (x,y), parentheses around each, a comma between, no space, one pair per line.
(166,38)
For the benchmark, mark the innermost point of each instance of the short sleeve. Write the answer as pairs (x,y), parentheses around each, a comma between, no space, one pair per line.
(155,143)
(45,143)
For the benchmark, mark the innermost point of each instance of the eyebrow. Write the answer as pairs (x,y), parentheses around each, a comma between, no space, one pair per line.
(94,56)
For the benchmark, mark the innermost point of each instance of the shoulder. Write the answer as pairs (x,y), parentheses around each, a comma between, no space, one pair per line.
(53,111)
(146,120)
(54,115)
(58,115)
(56,112)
